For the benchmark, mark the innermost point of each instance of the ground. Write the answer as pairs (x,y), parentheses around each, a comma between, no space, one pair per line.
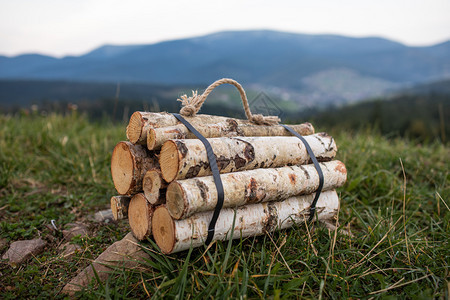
(394,207)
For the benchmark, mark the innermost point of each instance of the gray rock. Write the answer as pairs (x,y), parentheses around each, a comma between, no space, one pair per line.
(75,229)
(20,251)
(69,249)
(104,216)
(124,253)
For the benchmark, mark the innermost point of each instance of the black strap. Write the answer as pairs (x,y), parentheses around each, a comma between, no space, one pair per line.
(312,209)
(215,173)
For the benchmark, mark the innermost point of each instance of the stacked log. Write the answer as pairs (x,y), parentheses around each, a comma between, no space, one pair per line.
(189,196)
(119,206)
(163,177)
(154,186)
(249,220)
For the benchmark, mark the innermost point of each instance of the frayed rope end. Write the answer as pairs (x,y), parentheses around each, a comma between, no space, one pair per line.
(191,105)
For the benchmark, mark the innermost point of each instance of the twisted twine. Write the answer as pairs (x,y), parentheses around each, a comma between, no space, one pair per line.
(191,105)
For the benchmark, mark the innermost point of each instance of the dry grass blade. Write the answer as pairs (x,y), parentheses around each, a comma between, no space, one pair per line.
(404,210)
(377,244)
(439,196)
(279,252)
(397,285)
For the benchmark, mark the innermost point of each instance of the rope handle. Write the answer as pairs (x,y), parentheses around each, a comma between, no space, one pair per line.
(191,105)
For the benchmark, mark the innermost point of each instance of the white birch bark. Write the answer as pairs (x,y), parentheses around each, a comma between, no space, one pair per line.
(189,196)
(156,137)
(187,158)
(140,122)
(250,220)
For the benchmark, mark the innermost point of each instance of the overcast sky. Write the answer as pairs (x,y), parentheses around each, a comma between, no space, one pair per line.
(63,27)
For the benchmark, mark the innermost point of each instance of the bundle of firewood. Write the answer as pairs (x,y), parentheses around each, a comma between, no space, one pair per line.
(167,190)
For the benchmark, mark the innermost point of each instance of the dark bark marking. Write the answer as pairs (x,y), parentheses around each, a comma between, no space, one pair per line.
(272,218)
(249,150)
(304,171)
(203,189)
(193,171)
(181,148)
(222,162)
(239,162)
(253,194)
(293,178)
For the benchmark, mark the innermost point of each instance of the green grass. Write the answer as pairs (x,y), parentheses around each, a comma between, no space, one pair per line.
(57,168)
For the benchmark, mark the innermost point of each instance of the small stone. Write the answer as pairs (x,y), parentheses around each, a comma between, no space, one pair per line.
(104,216)
(75,229)
(3,243)
(69,249)
(20,251)
(125,253)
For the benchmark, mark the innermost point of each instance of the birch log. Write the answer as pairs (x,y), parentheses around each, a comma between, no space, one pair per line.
(156,137)
(189,196)
(251,220)
(152,185)
(140,215)
(181,159)
(140,122)
(129,163)
(119,207)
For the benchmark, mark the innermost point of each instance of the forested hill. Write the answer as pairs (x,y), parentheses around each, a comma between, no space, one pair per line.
(423,117)
(315,68)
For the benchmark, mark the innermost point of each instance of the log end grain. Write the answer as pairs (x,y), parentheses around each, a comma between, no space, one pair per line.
(122,166)
(151,139)
(169,161)
(134,128)
(175,200)
(140,214)
(163,228)
(151,185)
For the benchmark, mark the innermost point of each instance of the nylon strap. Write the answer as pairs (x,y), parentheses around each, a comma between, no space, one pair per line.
(312,209)
(215,173)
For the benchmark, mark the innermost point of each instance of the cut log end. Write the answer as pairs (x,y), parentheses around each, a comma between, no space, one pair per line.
(151,139)
(122,168)
(140,217)
(169,161)
(175,200)
(134,128)
(151,185)
(163,228)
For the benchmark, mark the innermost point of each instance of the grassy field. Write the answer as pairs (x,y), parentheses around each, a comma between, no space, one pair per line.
(395,205)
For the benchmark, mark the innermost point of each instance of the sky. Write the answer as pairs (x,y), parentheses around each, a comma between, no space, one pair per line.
(69,27)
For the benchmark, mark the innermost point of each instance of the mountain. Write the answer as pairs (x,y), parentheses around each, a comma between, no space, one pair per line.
(315,68)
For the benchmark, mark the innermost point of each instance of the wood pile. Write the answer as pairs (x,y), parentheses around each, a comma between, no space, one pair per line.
(166,189)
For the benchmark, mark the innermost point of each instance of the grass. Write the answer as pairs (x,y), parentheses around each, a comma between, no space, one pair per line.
(395,205)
